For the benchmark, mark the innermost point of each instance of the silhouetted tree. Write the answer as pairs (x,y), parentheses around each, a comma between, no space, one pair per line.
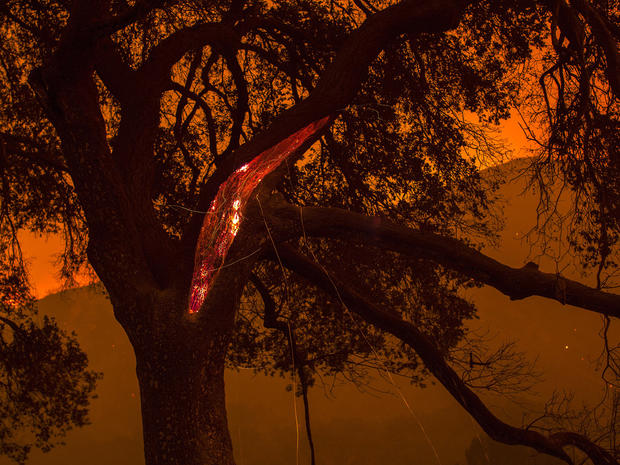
(190,150)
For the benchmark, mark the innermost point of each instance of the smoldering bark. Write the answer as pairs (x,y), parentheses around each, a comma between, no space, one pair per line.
(340,81)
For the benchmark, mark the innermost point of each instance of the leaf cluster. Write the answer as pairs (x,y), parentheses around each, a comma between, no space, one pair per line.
(45,383)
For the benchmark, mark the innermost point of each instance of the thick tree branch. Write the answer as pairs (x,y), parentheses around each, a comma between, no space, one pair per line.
(242,106)
(117,76)
(66,89)
(123,177)
(17,330)
(341,80)
(436,364)
(133,158)
(605,39)
(339,83)
(517,283)
(366,9)
(157,67)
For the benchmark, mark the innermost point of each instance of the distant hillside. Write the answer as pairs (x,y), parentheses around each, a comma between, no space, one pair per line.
(350,427)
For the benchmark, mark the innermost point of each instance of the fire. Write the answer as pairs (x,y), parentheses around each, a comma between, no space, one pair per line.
(221,224)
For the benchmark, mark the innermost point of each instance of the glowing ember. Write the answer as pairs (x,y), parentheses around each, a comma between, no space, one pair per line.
(223,219)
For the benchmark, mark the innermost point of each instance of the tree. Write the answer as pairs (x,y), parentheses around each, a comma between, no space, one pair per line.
(192,150)
(45,385)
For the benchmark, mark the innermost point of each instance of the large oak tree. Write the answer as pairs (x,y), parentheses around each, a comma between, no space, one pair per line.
(191,150)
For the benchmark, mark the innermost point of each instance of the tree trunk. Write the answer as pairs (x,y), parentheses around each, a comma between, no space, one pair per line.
(183,405)
(180,367)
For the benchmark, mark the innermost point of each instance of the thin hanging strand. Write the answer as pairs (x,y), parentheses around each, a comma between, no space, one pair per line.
(275,249)
(234,262)
(381,362)
(181,207)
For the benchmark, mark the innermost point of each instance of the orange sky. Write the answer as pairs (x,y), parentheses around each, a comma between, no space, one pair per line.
(39,253)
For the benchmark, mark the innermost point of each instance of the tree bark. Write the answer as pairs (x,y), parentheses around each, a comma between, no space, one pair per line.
(183,406)
(180,363)
(180,367)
